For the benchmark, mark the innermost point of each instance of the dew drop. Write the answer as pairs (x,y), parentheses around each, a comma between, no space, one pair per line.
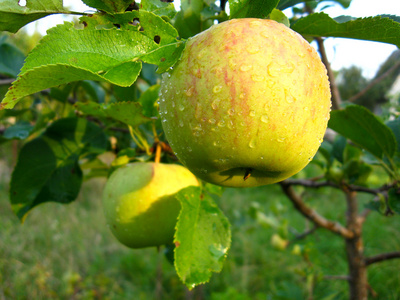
(252,49)
(252,143)
(181,107)
(231,111)
(281,140)
(173,104)
(230,124)
(264,118)
(221,123)
(214,104)
(257,78)
(252,113)
(245,68)
(217,89)
(255,23)
(212,121)
(180,123)
(189,91)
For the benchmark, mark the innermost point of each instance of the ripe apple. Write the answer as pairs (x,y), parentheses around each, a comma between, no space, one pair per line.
(247,104)
(140,205)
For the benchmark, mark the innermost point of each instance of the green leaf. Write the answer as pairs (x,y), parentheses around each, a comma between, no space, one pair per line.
(251,8)
(129,113)
(47,167)
(202,237)
(279,17)
(148,100)
(395,127)
(364,129)
(20,130)
(379,29)
(68,54)
(394,199)
(159,8)
(114,6)
(13,16)
(283,4)
(11,59)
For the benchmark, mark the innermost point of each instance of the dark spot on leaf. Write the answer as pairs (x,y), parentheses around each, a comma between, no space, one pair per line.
(177,244)
(84,24)
(117,25)
(157,39)
(72,171)
(201,196)
(162,59)
(14,192)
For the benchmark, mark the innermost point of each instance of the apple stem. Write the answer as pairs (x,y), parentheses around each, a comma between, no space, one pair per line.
(247,174)
(158,153)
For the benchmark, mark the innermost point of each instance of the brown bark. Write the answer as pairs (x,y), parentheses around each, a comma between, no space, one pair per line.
(358,282)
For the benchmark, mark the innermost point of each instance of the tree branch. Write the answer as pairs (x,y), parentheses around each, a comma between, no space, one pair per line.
(336,99)
(312,215)
(6,81)
(381,257)
(337,277)
(354,188)
(374,82)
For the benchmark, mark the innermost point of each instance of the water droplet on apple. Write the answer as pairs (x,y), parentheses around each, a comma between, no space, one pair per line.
(212,121)
(305,108)
(257,77)
(221,123)
(189,149)
(264,118)
(252,143)
(262,157)
(217,89)
(275,69)
(245,68)
(280,140)
(289,97)
(255,23)
(230,125)
(252,113)
(181,107)
(173,104)
(265,34)
(214,104)
(231,111)
(189,91)
(180,123)
(252,49)
(242,123)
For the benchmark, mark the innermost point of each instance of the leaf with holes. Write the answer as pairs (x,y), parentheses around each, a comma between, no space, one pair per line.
(68,54)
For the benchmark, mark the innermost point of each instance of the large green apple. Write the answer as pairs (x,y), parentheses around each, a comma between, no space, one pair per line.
(247,104)
(139,203)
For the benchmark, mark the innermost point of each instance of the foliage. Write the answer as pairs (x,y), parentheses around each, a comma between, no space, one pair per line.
(85,102)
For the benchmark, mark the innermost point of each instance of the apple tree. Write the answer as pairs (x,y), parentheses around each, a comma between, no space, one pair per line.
(91,88)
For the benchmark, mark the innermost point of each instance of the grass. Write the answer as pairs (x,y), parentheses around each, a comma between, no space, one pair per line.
(67,252)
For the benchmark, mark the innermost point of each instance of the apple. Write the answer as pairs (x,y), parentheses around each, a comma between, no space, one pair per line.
(140,205)
(247,104)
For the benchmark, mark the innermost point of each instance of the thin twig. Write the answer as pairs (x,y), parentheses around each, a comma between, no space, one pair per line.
(6,81)
(374,82)
(305,234)
(312,215)
(381,257)
(336,99)
(337,277)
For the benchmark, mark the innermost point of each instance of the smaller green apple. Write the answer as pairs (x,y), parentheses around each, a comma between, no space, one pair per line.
(140,205)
